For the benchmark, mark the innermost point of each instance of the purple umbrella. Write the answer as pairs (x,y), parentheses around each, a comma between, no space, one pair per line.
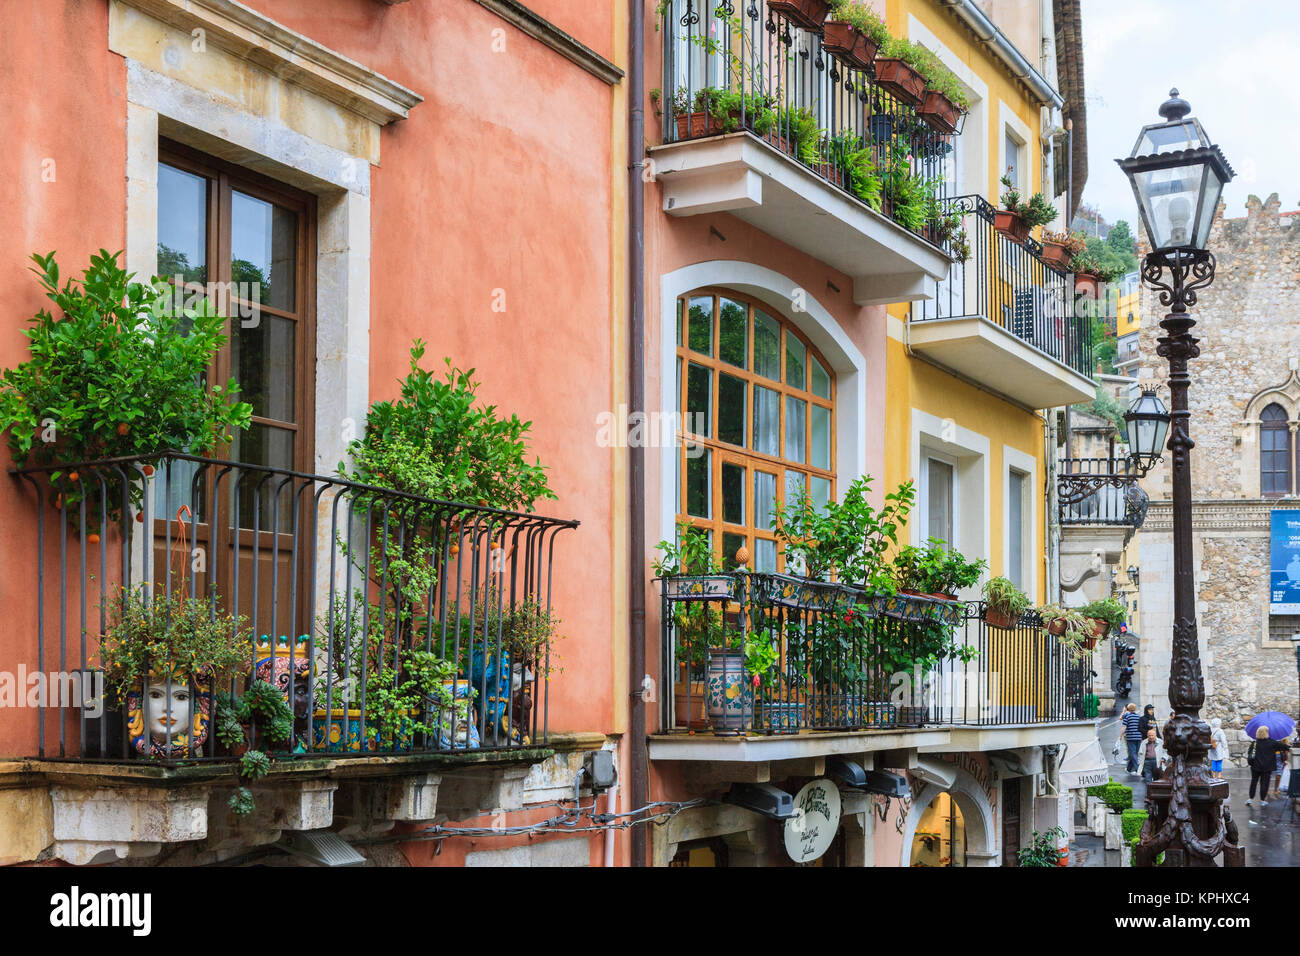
(1279,725)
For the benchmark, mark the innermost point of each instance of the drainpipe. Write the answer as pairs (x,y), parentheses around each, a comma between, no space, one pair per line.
(1053,506)
(637,788)
(1005,50)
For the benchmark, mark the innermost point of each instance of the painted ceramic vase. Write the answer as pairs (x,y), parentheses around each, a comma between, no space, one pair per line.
(173,704)
(730,694)
(457,729)
(785,717)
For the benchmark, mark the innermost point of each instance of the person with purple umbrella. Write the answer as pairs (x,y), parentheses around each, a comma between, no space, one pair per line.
(1263,760)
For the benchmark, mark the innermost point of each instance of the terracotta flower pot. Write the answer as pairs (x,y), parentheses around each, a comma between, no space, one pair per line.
(1056,626)
(941,113)
(1011,225)
(999,619)
(1085,283)
(942,596)
(808,14)
(900,79)
(702,123)
(848,44)
(1054,255)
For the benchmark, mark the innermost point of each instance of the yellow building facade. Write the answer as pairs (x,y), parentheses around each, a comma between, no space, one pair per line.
(972,369)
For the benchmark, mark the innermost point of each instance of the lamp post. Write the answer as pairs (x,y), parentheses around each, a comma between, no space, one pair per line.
(1177,176)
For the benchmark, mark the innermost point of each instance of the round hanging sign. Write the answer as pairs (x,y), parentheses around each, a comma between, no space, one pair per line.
(816,820)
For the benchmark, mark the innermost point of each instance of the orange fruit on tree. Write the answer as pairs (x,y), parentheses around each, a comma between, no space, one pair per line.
(123,428)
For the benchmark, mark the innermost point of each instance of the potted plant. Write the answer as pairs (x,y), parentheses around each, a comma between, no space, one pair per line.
(1015,219)
(945,100)
(1004,603)
(1106,615)
(120,352)
(1060,248)
(712,111)
(896,70)
(1069,627)
(162,655)
(1089,271)
(854,33)
(954,573)
(808,14)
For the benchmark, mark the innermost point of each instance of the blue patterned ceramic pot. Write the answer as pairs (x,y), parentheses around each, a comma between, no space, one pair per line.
(785,717)
(730,693)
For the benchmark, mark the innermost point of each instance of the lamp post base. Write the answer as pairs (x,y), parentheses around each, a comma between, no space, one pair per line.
(1205,799)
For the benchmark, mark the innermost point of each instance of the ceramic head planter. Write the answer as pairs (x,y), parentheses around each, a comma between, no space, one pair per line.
(169,716)
(274,667)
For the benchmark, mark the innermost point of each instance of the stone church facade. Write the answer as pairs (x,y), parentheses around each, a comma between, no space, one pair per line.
(1245,412)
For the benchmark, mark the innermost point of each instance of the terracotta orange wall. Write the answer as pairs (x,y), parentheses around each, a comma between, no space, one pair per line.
(63,113)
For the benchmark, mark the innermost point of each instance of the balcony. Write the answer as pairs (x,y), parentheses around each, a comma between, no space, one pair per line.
(384,656)
(1100,491)
(808,156)
(1005,319)
(844,671)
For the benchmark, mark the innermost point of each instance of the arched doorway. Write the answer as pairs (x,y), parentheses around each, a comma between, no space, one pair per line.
(940,838)
(978,832)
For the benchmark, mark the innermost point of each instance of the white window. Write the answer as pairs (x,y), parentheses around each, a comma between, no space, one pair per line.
(1014,164)
(940,479)
(1017,526)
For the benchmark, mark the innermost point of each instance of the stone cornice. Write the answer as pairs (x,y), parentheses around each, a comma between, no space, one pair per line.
(285,53)
(559,41)
(1219,514)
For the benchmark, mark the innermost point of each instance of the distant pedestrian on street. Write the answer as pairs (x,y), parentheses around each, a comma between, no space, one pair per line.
(1263,760)
(1218,748)
(1153,757)
(1147,721)
(1132,738)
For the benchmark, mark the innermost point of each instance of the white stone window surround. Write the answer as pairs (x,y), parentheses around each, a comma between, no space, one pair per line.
(1286,395)
(971,512)
(278,66)
(1013,459)
(973,167)
(1009,124)
(814,320)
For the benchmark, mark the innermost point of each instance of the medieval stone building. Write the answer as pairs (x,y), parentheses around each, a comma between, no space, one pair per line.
(1245,410)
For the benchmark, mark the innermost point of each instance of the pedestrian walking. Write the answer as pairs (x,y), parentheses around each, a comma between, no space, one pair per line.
(1218,748)
(1153,756)
(1132,739)
(1263,760)
(1147,721)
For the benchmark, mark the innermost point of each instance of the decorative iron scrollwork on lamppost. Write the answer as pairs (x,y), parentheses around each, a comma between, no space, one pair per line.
(1177,176)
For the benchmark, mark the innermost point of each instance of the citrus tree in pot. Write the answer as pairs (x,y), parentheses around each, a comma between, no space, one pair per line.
(1004,603)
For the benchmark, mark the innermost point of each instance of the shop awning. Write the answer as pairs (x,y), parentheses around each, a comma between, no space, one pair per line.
(1083,765)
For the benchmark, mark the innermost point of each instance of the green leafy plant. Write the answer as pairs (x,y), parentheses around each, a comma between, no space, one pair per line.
(698,625)
(241,802)
(1113,612)
(935,568)
(1096,262)
(727,108)
(1130,822)
(848,151)
(1117,797)
(846,540)
(910,194)
(1077,628)
(938,77)
(254,765)
(528,630)
(1072,242)
(1003,597)
(1041,850)
(1037,212)
(799,125)
(120,373)
(170,633)
(263,704)
(865,20)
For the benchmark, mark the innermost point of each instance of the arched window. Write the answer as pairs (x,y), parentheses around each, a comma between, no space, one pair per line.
(760,421)
(1274,452)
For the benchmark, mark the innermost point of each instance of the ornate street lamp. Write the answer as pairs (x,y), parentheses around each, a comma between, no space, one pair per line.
(1147,423)
(1177,176)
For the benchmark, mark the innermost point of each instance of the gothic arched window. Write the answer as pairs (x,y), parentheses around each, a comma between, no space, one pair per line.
(1274,452)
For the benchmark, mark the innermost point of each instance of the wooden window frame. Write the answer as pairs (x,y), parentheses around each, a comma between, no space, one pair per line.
(752,460)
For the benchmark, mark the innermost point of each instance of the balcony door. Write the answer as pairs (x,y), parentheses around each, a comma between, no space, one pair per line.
(249,242)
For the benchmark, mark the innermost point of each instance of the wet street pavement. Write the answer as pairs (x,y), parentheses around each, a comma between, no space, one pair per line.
(1270,834)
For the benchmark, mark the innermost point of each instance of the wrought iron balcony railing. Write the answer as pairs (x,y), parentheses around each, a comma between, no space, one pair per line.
(1105,491)
(829,657)
(822,109)
(1010,285)
(389,623)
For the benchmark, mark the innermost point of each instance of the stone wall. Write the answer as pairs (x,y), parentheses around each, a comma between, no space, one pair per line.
(1248,323)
